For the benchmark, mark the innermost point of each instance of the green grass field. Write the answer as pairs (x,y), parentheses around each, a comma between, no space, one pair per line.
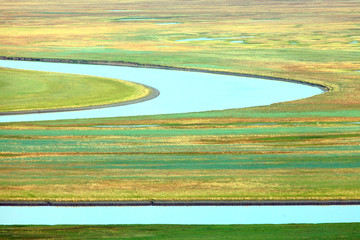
(223,162)
(288,150)
(31,90)
(263,232)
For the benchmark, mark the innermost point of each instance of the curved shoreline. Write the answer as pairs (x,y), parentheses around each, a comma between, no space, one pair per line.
(153,94)
(155,66)
(180,203)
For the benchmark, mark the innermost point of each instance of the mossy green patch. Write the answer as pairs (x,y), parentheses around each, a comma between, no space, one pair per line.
(252,232)
(29,90)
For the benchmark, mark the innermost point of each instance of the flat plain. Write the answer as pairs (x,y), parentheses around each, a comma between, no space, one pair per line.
(307,149)
(299,150)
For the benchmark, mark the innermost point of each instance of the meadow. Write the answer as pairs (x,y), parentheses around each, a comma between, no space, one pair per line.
(246,161)
(288,231)
(289,150)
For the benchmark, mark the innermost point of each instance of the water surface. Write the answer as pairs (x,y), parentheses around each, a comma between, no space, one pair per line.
(180,91)
(180,215)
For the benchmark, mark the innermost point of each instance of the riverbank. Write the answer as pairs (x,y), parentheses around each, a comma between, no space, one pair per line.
(132,64)
(180,203)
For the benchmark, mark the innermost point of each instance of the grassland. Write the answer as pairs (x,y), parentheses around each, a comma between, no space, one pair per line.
(31,90)
(305,149)
(290,231)
(219,162)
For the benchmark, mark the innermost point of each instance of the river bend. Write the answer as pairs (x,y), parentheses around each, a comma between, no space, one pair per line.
(180,91)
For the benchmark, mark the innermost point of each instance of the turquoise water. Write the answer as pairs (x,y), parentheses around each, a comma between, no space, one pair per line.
(237,41)
(180,91)
(180,215)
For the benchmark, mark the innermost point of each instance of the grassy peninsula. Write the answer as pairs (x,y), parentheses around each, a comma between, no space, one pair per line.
(32,90)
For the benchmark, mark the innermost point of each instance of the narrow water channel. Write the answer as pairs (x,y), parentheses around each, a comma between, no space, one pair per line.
(180,91)
(180,215)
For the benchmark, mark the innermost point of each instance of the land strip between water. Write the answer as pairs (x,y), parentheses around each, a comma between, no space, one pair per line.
(220,155)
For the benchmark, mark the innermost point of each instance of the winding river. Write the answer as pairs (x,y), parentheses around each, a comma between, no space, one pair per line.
(180,91)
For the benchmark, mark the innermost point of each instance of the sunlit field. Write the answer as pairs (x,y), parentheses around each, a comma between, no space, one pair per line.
(299,150)
(220,162)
